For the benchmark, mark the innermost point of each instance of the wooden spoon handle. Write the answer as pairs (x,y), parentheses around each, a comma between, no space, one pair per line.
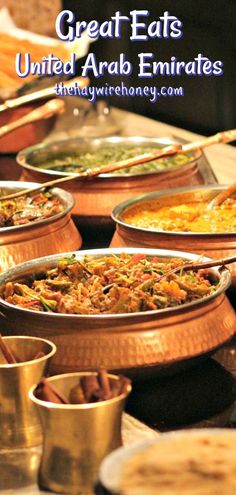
(80,82)
(220,137)
(131,162)
(220,198)
(169,150)
(144,158)
(194,266)
(46,111)
(209,264)
(43,186)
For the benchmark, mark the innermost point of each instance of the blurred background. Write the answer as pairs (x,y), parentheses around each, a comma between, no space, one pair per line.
(209,28)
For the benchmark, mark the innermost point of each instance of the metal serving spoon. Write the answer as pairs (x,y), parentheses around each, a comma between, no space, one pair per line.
(221,137)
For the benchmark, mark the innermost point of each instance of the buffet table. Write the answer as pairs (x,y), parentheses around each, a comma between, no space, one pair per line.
(222,161)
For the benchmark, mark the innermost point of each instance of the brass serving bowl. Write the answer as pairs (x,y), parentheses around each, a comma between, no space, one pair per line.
(96,198)
(135,341)
(51,235)
(210,244)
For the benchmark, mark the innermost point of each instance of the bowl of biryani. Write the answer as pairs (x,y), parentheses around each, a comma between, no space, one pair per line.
(119,309)
(193,462)
(37,224)
(96,198)
(177,219)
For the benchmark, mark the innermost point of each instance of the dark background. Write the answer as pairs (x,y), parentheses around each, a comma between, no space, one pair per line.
(209,28)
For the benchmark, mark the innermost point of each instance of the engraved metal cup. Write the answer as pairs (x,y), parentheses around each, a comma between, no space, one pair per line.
(19,422)
(76,437)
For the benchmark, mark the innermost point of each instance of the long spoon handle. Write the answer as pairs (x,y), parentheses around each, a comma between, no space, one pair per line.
(43,186)
(220,137)
(222,196)
(170,150)
(200,265)
(46,111)
(131,162)
(79,82)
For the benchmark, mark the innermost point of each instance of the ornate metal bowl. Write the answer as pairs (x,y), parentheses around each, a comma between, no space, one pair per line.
(213,245)
(54,234)
(136,342)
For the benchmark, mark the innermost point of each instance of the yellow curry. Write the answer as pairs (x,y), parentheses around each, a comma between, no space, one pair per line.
(188,217)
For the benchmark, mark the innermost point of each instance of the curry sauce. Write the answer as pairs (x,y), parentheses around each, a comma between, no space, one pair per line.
(185,217)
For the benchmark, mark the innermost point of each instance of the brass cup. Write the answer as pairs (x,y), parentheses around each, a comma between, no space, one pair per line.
(19,422)
(76,437)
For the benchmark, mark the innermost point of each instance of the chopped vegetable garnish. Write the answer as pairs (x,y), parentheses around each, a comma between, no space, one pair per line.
(109,284)
(28,209)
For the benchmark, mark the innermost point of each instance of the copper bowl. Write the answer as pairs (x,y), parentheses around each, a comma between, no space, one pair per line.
(137,343)
(96,198)
(213,245)
(27,135)
(48,236)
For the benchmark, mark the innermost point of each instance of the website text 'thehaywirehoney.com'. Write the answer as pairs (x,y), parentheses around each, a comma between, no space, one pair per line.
(153,93)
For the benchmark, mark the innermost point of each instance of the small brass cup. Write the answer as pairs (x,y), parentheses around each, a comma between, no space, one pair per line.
(76,437)
(19,422)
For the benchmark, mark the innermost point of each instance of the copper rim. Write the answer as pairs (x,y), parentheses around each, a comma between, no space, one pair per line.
(44,263)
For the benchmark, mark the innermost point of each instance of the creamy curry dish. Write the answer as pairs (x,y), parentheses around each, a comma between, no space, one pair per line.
(28,209)
(187,464)
(109,284)
(186,217)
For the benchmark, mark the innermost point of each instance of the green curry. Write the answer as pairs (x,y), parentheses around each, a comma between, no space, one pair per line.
(79,162)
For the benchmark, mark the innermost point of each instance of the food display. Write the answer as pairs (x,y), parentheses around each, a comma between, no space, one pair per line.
(96,198)
(28,209)
(34,224)
(180,219)
(107,350)
(183,217)
(119,308)
(110,153)
(109,285)
(187,463)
